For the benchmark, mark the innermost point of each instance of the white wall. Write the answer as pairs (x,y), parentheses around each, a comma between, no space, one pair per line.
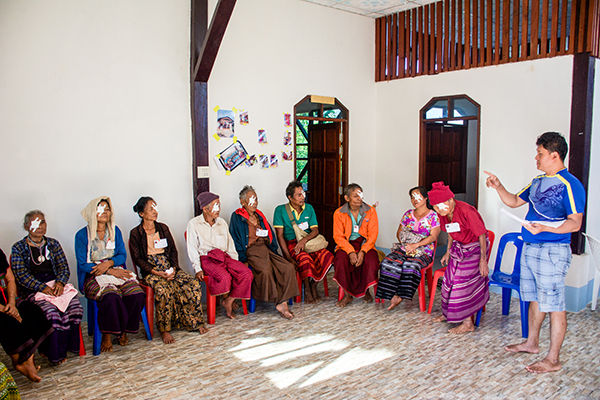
(273,54)
(94,100)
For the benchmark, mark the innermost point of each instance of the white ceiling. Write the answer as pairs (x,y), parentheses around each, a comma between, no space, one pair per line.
(371,8)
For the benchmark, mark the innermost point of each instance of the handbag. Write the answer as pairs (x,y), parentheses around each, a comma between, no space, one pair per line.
(407,236)
(314,244)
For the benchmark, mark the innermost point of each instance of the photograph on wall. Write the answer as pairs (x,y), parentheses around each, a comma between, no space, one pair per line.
(262,137)
(286,156)
(225,123)
(274,162)
(250,161)
(233,156)
(287,120)
(244,120)
(287,138)
(264,161)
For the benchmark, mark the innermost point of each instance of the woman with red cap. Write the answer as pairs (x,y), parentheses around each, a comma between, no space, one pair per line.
(465,286)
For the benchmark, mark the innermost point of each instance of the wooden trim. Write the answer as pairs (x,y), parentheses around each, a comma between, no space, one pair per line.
(459,38)
(377,50)
(452,63)
(394,55)
(439,51)
(322,118)
(514,54)
(524,54)
(475,35)
(573,30)
(544,33)
(382,48)
(467,48)
(505,45)
(562,48)
(401,43)
(413,40)
(425,36)
(554,29)
(446,39)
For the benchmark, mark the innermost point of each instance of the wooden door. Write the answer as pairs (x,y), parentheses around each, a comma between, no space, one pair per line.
(446,156)
(324,175)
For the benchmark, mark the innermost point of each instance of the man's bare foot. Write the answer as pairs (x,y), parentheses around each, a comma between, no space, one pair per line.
(368,297)
(227,303)
(545,365)
(124,340)
(345,301)
(441,318)
(54,364)
(106,344)
(395,301)
(234,304)
(466,326)
(522,348)
(314,291)
(284,310)
(167,338)
(308,297)
(29,369)
(202,330)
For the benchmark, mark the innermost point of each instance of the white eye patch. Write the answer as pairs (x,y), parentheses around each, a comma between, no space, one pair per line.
(100,209)
(215,208)
(303,194)
(252,201)
(417,196)
(442,206)
(360,194)
(155,207)
(35,224)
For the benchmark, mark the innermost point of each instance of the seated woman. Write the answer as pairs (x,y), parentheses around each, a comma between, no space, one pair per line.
(355,230)
(101,253)
(42,276)
(465,287)
(274,277)
(24,326)
(178,295)
(212,251)
(400,271)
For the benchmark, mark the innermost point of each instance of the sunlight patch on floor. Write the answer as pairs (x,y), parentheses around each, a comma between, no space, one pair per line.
(273,349)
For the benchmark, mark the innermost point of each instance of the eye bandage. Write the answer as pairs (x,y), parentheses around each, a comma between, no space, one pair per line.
(442,206)
(252,201)
(360,194)
(35,224)
(155,207)
(417,196)
(100,209)
(303,194)
(215,208)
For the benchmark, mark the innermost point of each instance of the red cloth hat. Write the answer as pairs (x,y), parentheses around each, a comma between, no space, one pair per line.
(439,193)
(205,198)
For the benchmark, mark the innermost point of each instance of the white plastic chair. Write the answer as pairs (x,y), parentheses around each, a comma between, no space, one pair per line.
(595,248)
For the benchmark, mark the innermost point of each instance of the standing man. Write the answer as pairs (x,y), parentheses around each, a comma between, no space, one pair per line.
(555,197)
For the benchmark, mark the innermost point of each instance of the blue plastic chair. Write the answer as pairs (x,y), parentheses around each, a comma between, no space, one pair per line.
(252,305)
(510,282)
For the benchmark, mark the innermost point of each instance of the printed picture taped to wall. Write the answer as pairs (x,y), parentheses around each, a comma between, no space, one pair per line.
(264,161)
(287,120)
(233,156)
(250,161)
(287,156)
(262,137)
(287,138)
(225,123)
(274,162)
(244,120)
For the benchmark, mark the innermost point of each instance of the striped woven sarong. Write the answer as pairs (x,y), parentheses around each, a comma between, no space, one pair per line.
(8,387)
(464,290)
(311,265)
(400,275)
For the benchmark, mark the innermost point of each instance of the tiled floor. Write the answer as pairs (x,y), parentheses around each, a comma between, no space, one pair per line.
(360,352)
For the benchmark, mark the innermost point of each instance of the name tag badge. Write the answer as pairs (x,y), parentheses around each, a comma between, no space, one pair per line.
(160,244)
(110,245)
(262,233)
(355,228)
(303,226)
(453,227)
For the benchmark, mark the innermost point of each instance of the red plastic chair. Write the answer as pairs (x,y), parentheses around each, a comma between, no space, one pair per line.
(149,295)
(211,301)
(300,284)
(440,272)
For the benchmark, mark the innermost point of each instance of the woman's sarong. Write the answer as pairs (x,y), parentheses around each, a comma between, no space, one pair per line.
(400,275)
(356,281)
(226,275)
(274,277)
(119,307)
(464,290)
(178,301)
(8,387)
(311,265)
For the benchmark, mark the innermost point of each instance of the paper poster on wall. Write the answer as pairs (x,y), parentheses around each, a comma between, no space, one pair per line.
(286,156)
(250,161)
(225,123)
(262,137)
(264,161)
(244,120)
(273,162)
(287,120)
(233,156)
(287,138)
(218,162)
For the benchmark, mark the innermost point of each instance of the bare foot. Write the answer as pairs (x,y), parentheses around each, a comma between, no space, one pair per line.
(308,297)
(29,369)
(234,304)
(284,310)
(368,298)
(441,318)
(106,344)
(466,326)
(227,303)
(167,338)
(395,301)
(522,348)
(202,330)
(54,364)
(315,292)
(124,340)
(545,365)
(345,301)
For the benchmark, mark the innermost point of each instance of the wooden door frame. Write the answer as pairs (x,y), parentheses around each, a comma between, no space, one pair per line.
(345,142)
(423,135)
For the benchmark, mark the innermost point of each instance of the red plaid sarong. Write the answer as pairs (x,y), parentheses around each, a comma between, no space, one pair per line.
(311,265)
(226,275)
